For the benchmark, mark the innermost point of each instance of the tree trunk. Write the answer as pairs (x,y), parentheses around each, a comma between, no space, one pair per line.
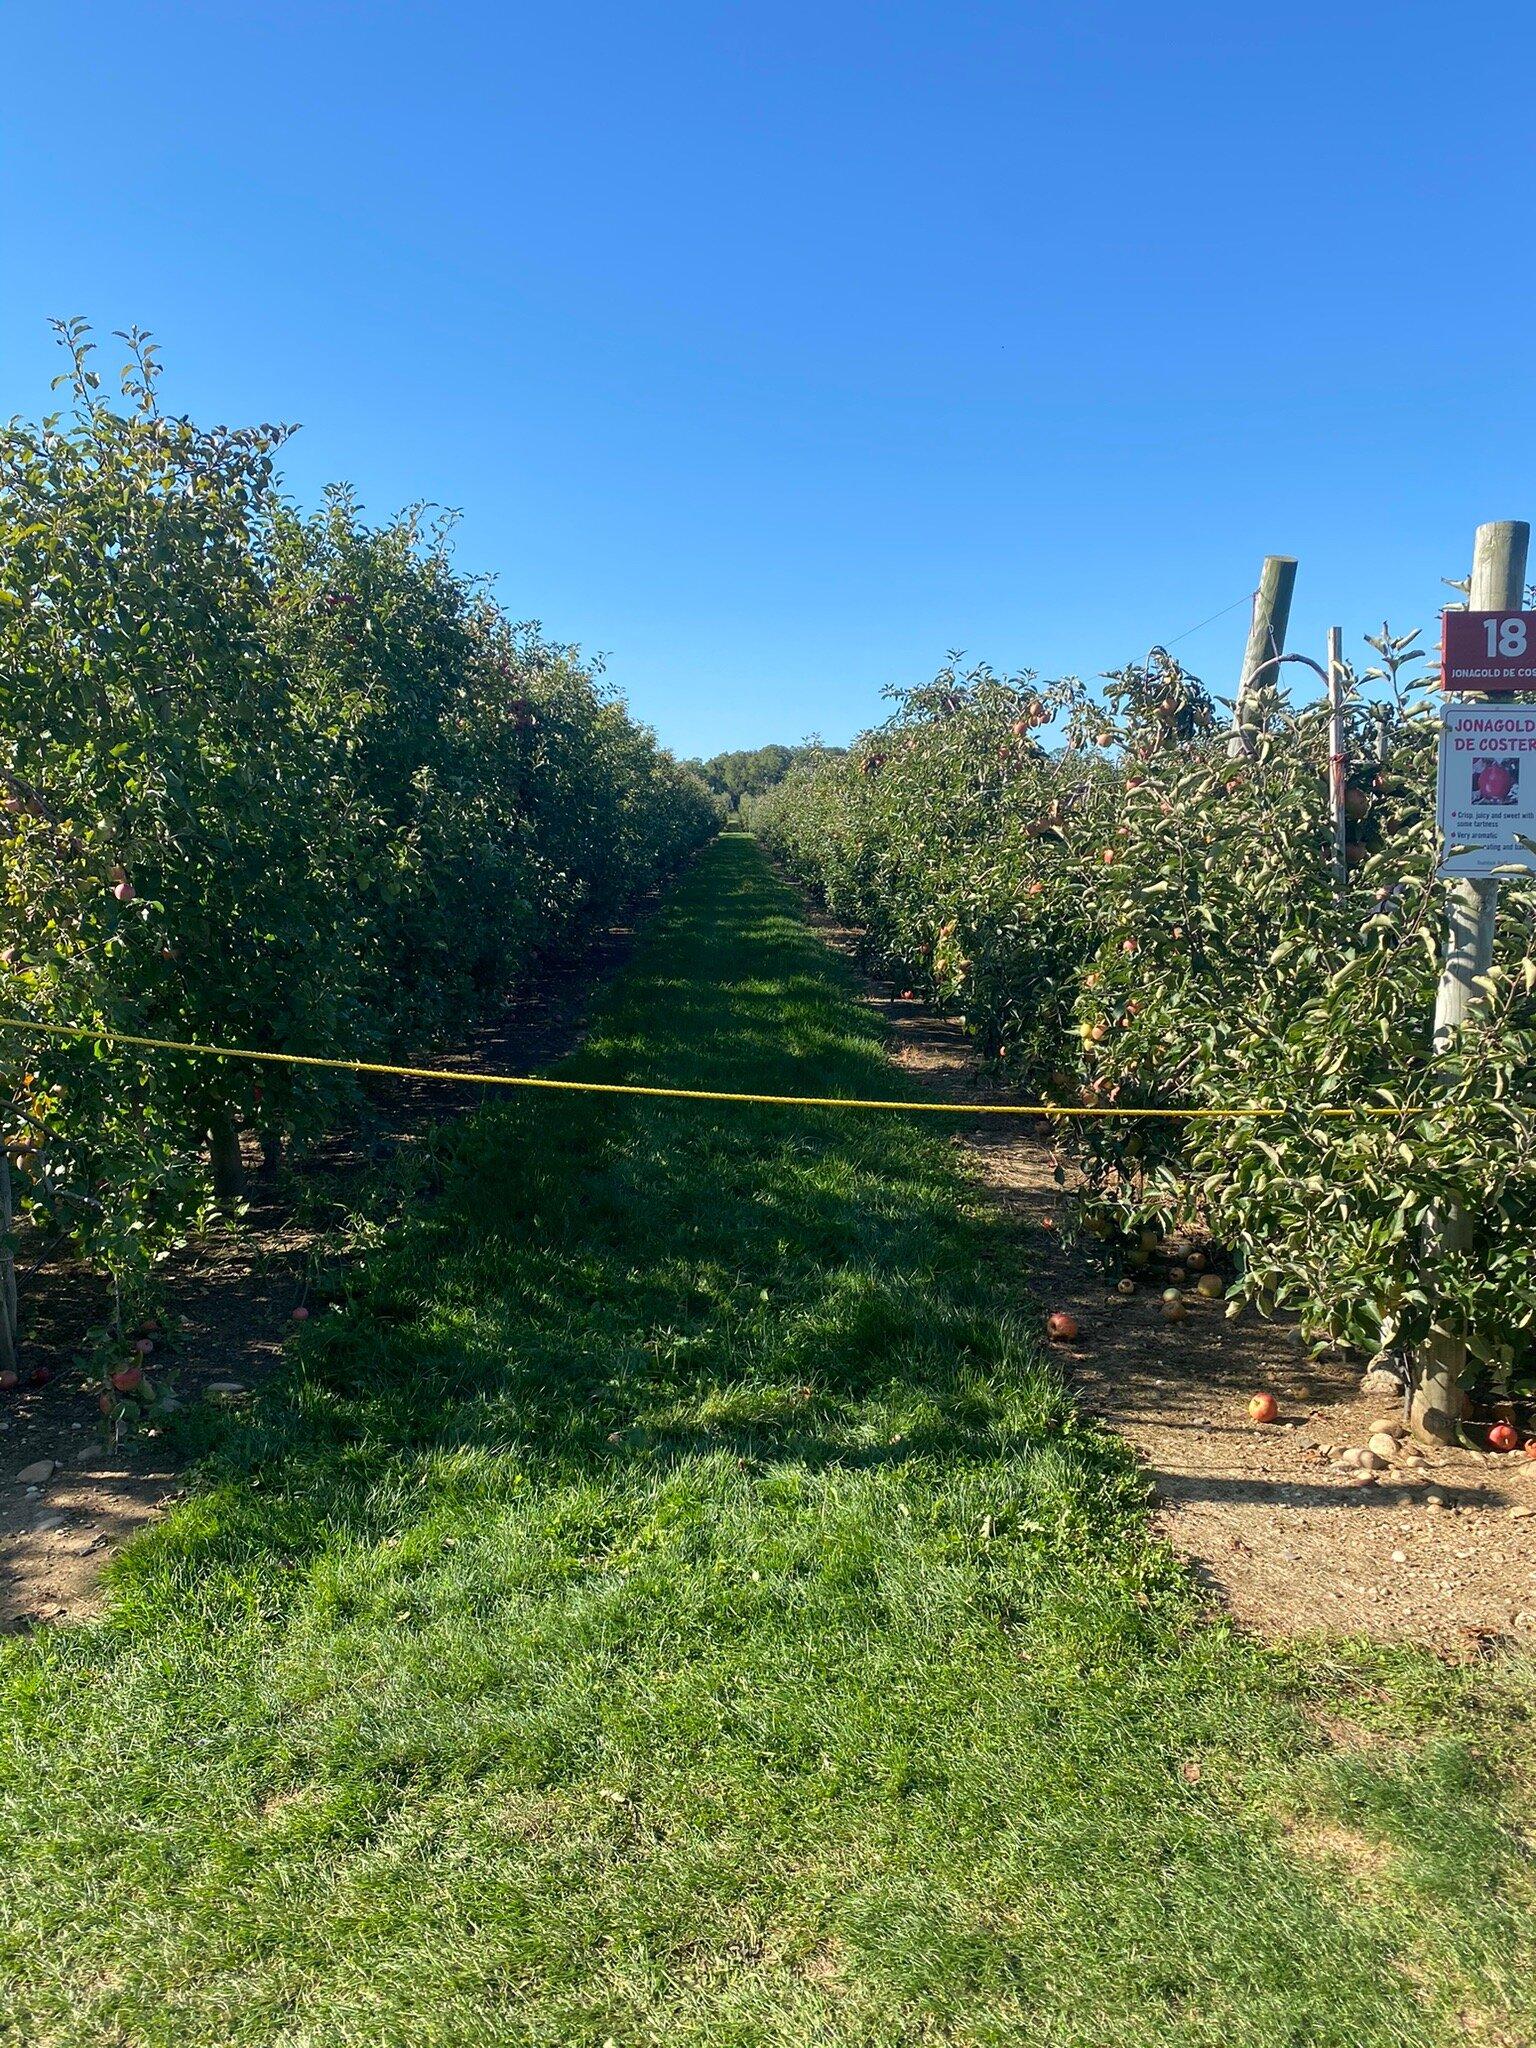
(224,1152)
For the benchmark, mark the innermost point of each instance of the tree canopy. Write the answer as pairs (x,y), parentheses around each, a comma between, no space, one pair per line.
(752,770)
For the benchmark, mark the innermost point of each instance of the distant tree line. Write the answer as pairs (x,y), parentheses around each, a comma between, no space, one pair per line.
(751,771)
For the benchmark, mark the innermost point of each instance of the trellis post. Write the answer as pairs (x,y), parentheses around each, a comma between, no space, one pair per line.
(1266,639)
(1436,1396)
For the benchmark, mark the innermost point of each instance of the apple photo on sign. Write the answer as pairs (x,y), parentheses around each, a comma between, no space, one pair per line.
(1495,782)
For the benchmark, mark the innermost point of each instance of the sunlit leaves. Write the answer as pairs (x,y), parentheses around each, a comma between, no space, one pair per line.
(294,783)
(1139,920)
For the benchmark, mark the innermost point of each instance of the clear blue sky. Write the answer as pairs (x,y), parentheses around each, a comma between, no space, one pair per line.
(776,348)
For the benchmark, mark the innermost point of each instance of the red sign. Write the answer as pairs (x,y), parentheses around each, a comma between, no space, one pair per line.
(1488,651)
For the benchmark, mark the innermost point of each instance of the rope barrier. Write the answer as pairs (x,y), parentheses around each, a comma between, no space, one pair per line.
(470,1076)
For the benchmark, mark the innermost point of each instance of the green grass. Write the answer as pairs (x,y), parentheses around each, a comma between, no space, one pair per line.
(669,1599)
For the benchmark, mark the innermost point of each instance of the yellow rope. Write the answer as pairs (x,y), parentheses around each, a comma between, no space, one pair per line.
(303,1059)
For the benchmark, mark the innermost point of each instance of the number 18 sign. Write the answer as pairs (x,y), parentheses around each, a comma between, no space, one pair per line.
(1488,651)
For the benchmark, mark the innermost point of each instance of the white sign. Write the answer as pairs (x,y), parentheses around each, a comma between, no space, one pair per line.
(1487,800)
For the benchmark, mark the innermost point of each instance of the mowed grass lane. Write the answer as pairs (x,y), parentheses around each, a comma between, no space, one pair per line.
(668,1599)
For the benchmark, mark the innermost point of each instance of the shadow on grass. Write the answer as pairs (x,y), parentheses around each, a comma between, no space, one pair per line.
(600,1283)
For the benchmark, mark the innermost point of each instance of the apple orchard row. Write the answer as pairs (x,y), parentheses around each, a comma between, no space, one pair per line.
(1137,919)
(268,778)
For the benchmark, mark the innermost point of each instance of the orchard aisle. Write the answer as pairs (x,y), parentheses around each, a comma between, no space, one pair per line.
(671,1599)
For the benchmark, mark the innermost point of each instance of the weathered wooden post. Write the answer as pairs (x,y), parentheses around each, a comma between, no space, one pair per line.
(1266,640)
(1435,1394)
(1338,756)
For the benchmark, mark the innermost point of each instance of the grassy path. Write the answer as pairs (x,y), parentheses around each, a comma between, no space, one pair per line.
(670,1601)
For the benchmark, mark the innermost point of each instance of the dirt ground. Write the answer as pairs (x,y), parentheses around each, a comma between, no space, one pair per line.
(68,1499)
(1437,1547)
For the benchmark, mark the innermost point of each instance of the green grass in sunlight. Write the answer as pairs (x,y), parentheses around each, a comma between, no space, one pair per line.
(669,1599)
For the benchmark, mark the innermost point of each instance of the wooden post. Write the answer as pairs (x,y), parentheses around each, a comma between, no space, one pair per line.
(1338,757)
(1266,639)
(1435,1394)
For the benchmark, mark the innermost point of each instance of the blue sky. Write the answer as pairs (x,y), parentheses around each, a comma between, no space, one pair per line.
(775,349)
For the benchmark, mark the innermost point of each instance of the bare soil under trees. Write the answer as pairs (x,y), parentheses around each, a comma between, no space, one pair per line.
(229,1302)
(1287,1543)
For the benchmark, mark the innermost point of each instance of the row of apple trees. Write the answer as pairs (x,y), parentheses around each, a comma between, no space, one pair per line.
(269,779)
(1137,919)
